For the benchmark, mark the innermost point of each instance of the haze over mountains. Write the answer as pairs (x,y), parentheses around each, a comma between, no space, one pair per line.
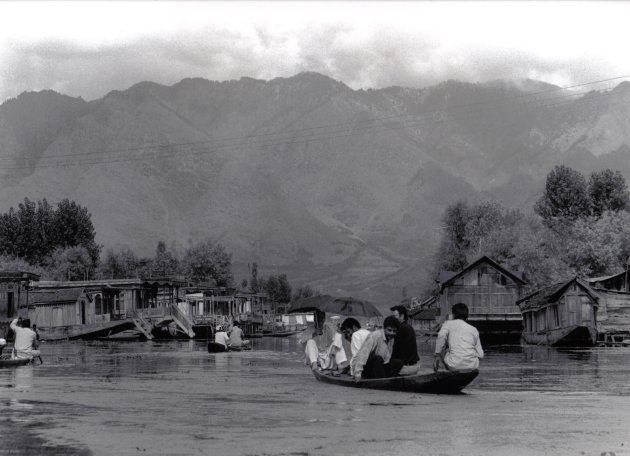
(340,189)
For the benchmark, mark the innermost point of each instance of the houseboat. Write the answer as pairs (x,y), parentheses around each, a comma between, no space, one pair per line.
(490,291)
(563,314)
(209,306)
(97,308)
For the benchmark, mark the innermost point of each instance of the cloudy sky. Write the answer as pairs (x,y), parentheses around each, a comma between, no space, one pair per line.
(90,48)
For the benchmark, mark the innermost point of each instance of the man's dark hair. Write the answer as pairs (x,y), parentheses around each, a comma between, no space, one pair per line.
(402,310)
(235,323)
(391,322)
(26,323)
(350,323)
(460,311)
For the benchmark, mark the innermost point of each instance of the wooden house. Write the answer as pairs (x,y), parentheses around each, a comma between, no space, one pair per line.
(14,294)
(424,317)
(613,313)
(563,314)
(490,291)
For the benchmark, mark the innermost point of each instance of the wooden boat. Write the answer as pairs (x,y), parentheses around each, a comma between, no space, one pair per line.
(8,362)
(214,347)
(441,382)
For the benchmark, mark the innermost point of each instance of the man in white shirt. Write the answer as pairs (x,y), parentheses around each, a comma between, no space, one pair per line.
(221,337)
(25,340)
(458,344)
(352,331)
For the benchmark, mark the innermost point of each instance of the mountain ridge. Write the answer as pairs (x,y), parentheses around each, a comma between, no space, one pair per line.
(339,188)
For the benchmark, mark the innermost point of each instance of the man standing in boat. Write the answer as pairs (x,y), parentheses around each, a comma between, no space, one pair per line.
(374,358)
(405,346)
(458,345)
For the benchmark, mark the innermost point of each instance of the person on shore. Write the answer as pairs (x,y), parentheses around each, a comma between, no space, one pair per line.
(236,336)
(352,331)
(25,344)
(405,346)
(221,337)
(458,345)
(374,358)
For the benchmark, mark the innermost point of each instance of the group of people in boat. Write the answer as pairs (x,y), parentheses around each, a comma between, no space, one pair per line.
(231,337)
(391,350)
(26,340)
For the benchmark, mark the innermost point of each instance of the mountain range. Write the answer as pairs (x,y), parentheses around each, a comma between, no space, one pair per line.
(340,189)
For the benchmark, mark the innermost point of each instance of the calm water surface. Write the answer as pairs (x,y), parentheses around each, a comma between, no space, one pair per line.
(173,398)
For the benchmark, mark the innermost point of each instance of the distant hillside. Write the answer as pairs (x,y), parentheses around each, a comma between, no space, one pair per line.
(339,188)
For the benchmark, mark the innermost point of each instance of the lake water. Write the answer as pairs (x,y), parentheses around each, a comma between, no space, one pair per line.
(173,398)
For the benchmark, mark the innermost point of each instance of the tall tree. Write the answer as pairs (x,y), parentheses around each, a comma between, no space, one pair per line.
(565,197)
(452,250)
(165,263)
(209,261)
(72,263)
(254,286)
(608,192)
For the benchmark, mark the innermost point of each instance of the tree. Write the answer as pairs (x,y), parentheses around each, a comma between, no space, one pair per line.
(303,292)
(452,250)
(124,264)
(254,286)
(565,197)
(278,288)
(165,263)
(72,263)
(208,261)
(72,226)
(608,192)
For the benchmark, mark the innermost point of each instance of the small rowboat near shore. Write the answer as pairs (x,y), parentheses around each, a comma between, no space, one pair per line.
(442,382)
(8,362)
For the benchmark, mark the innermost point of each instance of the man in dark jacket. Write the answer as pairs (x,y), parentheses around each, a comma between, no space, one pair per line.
(405,347)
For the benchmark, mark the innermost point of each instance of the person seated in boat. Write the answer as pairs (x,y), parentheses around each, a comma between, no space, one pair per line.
(352,331)
(374,358)
(311,338)
(405,346)
(334,355)
(221,337)
(323,345)
(458,345)
(236,336)
(25,344)
(3,343)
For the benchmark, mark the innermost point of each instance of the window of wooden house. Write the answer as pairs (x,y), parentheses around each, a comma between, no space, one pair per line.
(555,317)
(586,312)
(502,280)
(98,305)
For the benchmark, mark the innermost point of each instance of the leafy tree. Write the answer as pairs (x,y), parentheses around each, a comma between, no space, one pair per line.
(35,230)
(9,263)
(73,227)
(244,284)
(277,288)
(565,198)
(124,264)
(209,261)
(452,250)
(254,285)
(72,263)
(608,192)
(165,263)
(303,292)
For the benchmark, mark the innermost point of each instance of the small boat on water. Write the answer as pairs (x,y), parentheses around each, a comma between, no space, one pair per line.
(8,362)
(214,347)
(442,382)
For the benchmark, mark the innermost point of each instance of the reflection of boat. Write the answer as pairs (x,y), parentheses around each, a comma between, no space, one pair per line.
(8,362)
(280,333)
(442,382)
(214,347)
